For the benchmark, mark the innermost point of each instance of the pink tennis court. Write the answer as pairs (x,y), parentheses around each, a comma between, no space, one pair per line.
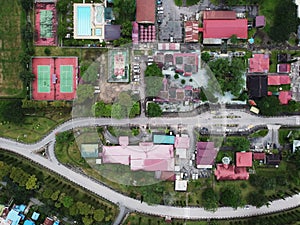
(45,24)
(55,78)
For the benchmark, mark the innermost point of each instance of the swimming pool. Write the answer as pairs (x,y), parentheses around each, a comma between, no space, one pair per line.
(84,21)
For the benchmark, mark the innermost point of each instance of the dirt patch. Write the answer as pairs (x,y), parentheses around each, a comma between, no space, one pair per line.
(110,91)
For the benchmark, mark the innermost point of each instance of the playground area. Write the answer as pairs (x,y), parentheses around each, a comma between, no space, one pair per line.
(118,65)
(45,24)
(55,78)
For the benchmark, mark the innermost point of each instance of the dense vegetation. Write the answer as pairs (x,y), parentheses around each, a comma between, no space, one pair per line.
(153,80)
(63,199)
(153,110)
(229,74)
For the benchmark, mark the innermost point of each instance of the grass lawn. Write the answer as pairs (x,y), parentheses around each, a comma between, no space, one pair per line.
(34,127)
(283,133)
(10,48)
(267,8)
(192,2)
(273,59)
(259,133)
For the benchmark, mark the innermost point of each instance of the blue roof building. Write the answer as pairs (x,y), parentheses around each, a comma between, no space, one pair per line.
(20,208)
(13,217)
(56,222)
(29,222)
(35,216)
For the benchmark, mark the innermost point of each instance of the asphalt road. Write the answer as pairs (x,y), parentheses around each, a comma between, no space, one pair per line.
(205,119)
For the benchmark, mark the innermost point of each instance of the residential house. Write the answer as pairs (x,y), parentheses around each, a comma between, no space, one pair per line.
(257,85)
(259,63)
(206,154)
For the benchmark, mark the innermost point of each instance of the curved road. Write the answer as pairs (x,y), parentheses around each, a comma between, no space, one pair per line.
(205,119)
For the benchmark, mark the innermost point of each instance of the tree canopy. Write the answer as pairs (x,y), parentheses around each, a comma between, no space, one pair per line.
(154,110)
(257,198)
(229,74)
(238,143)
(205,56)
(210,199)
(124,10)
(153,70)
(285,20)
(231,195)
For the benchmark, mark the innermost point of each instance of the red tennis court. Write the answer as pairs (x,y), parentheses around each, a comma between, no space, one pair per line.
(55,78)
(45,24)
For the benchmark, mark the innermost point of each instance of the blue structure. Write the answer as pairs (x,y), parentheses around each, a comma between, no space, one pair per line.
(20,208)
(56,223)
(163,139)
(35,216)
(29,222)
(251,40)
(14,217)
(84,21)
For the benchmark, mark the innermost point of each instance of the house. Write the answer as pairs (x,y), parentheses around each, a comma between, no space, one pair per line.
(29,222)
(48,221)
(145,11)
(191,31)
(260,21)
(35,216)
(259,156)
(112,32)
(284,97)
(273,159)
(13,217)
(243,159)
(259,63)
(181,185)
(276,80)
(283,58)
(283,68)
(219,25)
(146,156)
(182,144)
(206,154)
(257,85)
(230,172)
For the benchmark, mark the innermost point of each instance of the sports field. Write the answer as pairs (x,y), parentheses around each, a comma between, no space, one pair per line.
(10,48)
(56,78)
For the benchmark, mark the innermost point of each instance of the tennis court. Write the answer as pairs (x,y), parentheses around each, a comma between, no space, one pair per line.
(66,78)
(44,79)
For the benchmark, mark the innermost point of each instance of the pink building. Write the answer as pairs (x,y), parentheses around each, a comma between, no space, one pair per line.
(259,63)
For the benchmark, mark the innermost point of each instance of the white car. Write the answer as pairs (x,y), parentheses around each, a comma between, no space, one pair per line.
(137,71)
(160,12)
(136,76)
(160,8)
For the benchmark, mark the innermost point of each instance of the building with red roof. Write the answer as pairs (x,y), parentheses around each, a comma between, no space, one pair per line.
(191,31)
(145,156)
(182,142)
(259,156)
(216,30)
(145,11)
(284,97)
(276,80)
(219,15)
(283,68)
(260,21)
(259,63)
(230,172)
(135,33)
(206,154)
(243,159)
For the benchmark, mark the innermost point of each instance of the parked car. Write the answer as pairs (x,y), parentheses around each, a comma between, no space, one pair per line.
(137,71)
(136,66)
(160,12)
(160,8)
(136,76)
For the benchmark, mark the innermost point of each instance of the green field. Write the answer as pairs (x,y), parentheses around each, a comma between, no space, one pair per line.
(10,48)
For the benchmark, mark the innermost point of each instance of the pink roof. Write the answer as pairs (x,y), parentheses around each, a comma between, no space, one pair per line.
(145,156)
(278,79)
(285,97)
(259,63)
(270,93)
(145,11)
(123,140)
(182,142)
(243,159)
(219,15)
(259,155)
(191,31)
(283,68)
(260,21)
(230,172)
(206,153)
(223,29)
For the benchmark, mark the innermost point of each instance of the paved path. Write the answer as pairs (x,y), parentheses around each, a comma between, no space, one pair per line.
(135,205)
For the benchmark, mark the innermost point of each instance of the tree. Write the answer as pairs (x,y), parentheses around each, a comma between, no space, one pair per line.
(73,210)
(154,110)
(31,183)
(47,193)
(62,6)
(210,199)
(116,111)
(257,198)
(13,111)
(27,5)
(89,71)
(55,195)
(124,10)
(176,76)
(18,176)
(238,143)
(87,220)
(84,92)
(231,196)
(4,170)
(182,82)
(269,106)
(26,76)
(47,51)
(99,215)
(126,29)
(285,20)
(135,110)
(228,74)
(234,39)
(205,56)
(153,70)
(67,201)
